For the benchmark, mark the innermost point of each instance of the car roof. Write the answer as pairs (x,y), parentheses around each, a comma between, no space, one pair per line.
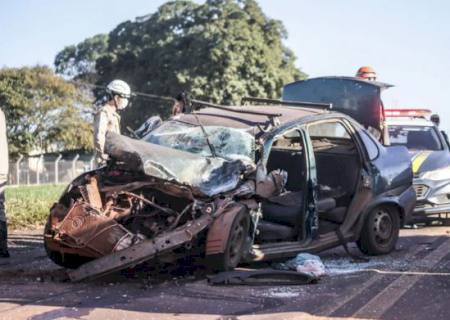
(408,121)
(240,120)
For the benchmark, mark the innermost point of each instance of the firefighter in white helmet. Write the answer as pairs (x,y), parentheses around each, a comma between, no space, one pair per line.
(107,118)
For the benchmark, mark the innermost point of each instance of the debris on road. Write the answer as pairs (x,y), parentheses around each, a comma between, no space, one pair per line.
(262,277)
(305,263)
(281,292)
(344,266)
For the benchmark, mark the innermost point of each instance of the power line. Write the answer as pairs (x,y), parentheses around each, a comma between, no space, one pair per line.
(133,94)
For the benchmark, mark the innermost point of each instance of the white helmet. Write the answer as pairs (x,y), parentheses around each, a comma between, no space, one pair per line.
(120,88)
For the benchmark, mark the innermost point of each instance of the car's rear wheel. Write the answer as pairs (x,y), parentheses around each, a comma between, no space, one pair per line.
(380,231)
(234,250)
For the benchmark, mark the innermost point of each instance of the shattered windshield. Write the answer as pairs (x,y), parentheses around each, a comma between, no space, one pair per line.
(228,143)
(415,137)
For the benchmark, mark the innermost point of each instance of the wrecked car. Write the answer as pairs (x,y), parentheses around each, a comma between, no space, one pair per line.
(231,185)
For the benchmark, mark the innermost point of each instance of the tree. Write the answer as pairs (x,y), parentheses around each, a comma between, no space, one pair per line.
(43,111)
(79,61)
(220,51)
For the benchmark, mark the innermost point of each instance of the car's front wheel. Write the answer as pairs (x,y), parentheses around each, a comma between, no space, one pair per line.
(236,244)
(380,231)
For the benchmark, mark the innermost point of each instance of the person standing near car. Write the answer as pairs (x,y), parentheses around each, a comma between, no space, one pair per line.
(4,163)
(437,121)
(107,118)
(182,104)
(369,74)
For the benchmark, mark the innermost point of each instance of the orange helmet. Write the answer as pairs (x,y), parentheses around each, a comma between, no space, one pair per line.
(367,73)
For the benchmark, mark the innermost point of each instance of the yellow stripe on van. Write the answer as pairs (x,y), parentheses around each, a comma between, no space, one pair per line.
(419,159)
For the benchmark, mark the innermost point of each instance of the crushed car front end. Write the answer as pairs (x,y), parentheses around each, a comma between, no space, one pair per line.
(151,199)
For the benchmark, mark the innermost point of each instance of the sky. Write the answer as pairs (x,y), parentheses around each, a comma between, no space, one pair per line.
(407,42)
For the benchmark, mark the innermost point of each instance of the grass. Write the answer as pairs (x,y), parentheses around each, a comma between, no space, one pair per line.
(29,206)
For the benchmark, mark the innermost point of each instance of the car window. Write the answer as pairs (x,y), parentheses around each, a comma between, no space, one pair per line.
(371,146)
(415,137)
(331,129)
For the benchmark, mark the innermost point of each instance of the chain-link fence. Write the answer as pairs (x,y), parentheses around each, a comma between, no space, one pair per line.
(39,170)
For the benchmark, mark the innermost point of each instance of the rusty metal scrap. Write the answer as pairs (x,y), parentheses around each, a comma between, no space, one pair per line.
(128,186)
(85,227)
(151,203)
(92,193)
(142,251)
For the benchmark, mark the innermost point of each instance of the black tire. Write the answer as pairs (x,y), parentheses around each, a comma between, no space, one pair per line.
(69,261)
(237,243)
(380,231)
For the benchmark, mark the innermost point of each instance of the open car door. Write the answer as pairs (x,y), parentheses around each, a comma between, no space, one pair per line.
(360,99)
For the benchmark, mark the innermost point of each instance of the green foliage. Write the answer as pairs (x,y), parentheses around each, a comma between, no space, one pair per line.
(29,206)
(80,60)
(43,111)
(220,51)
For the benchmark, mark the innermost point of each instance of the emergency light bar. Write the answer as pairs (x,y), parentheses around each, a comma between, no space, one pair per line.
(418,113)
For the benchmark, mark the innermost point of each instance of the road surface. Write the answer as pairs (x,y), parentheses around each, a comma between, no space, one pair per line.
(411,283)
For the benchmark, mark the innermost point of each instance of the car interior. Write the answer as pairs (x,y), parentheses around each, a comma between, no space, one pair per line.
(282,214)
(337,167)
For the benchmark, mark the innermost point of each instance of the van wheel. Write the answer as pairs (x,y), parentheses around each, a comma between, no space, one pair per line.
(380,231)
(235,247)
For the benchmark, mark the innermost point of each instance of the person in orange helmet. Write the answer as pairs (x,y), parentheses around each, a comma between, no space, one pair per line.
(367,73)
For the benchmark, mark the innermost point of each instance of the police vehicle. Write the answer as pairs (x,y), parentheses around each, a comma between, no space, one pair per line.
(430,157)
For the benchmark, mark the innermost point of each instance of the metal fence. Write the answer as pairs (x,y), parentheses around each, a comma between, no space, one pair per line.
(39,170)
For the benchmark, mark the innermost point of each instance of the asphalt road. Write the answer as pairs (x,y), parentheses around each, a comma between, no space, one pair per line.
(411,283)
